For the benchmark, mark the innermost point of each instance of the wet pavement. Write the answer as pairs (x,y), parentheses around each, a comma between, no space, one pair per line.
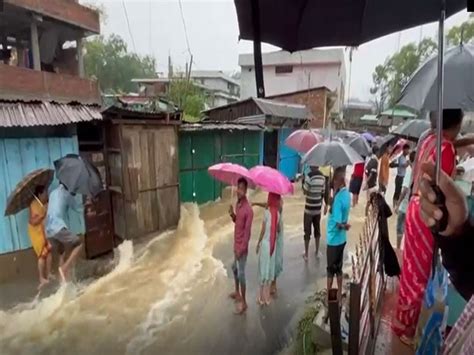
(170,294)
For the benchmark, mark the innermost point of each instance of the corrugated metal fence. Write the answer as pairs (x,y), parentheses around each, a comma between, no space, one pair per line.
(200,149)
(18,157)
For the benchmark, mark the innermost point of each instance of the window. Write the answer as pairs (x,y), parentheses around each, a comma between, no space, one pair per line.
(283,69)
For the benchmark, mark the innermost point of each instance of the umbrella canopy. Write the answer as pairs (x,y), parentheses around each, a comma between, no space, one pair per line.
(332,153)
(230,173)
(23,194)
(369,137)
(78,175)
(303,140)
(386,140)
(360,145)
(301,24)
(271,180)
(412,129)
(421,92)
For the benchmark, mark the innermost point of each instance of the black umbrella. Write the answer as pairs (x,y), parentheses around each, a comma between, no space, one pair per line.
(78,175)
(295,25)
(412,129)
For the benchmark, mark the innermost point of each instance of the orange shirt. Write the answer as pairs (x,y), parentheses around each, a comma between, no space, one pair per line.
(384,169)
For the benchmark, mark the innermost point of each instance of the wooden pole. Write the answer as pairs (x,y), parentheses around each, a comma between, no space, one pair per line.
(335,321)
(35,45)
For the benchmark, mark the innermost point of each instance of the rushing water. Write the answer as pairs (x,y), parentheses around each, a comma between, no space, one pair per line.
(170,296)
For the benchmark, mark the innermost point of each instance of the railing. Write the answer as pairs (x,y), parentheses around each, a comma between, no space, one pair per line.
(366,289)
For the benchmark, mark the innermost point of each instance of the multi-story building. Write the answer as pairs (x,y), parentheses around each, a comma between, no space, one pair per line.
(44,97)
(285,72)
(219,88)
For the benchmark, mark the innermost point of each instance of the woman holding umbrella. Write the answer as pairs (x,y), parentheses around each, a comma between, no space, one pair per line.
(418,252)
(32,192)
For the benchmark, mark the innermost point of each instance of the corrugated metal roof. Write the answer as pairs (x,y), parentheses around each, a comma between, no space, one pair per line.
(255,120)
(30,114)
(281,109)
(219,126)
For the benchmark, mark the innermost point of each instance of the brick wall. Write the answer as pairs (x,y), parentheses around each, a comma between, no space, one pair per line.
(26,84)
(66,11)
(314,100)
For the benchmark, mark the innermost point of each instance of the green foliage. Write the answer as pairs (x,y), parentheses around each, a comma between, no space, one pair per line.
(188,97)
(465,32)
(304,341)
(390,78)
(108,60)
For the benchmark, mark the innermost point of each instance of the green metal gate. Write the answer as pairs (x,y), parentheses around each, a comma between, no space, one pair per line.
(198,150)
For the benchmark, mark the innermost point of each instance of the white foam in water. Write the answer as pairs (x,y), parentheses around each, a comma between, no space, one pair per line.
(167,269)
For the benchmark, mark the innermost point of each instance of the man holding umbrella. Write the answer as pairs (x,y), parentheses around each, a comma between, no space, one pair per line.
(75,175)
(67,244)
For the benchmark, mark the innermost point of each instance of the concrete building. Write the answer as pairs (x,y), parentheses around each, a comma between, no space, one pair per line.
(285,72)
(219,88)
(44,103)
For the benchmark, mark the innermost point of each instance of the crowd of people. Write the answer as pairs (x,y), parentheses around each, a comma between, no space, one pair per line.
(414,201)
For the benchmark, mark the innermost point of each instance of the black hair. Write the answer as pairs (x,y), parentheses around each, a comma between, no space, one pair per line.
(406,146)
(412,156)
(375,150)
(39,189)
(452,117)
(242,181)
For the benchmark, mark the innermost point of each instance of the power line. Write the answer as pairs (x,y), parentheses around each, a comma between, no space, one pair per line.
(128,25)
(184,26)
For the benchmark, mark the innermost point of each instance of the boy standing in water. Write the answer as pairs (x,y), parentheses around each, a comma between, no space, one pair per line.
(242,218)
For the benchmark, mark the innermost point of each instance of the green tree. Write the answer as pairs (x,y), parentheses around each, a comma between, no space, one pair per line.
(108,60)
(188,97)
(464,32)
(390,78)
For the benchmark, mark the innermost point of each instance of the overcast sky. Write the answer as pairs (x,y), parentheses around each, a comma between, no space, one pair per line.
(157,29)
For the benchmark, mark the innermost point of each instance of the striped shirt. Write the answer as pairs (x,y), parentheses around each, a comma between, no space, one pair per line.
(316,190)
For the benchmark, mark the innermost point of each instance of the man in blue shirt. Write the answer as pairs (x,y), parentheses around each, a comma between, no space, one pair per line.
(337,227)
(64,242)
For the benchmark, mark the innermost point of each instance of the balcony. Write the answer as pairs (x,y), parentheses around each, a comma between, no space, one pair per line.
(19,83)
(66,11)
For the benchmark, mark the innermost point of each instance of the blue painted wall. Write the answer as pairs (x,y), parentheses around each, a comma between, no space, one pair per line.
(288,160)
(18,157)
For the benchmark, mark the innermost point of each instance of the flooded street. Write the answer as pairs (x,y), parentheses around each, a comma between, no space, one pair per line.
(171,295)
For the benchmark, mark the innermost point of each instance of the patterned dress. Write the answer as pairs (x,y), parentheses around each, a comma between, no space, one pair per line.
(419,243)
(266,260)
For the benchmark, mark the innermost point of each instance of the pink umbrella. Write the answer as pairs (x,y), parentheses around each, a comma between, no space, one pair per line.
(303,140)
(229,173)
(271,180)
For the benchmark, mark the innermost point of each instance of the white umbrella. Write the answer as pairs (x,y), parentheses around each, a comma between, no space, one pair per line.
(332,153)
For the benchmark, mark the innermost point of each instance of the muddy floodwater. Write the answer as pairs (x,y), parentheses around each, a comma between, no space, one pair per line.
(169,296)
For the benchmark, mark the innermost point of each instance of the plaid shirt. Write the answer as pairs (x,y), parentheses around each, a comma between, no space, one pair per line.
(458,333)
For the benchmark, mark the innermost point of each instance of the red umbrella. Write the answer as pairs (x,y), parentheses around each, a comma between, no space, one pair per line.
(303,140)
(230,173)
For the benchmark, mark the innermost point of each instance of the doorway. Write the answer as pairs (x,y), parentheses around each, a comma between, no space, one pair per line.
(270,149)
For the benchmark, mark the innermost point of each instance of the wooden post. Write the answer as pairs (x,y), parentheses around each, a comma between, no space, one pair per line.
(35,45)
(80,57)
(335,321)
(354,318)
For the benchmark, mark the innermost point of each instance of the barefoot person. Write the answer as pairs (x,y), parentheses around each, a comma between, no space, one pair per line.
(41,246)
(242,217)
(337,227)
(316,189)
(278,248)
(266,246)
(402,203)
(356,182)
(67,244)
